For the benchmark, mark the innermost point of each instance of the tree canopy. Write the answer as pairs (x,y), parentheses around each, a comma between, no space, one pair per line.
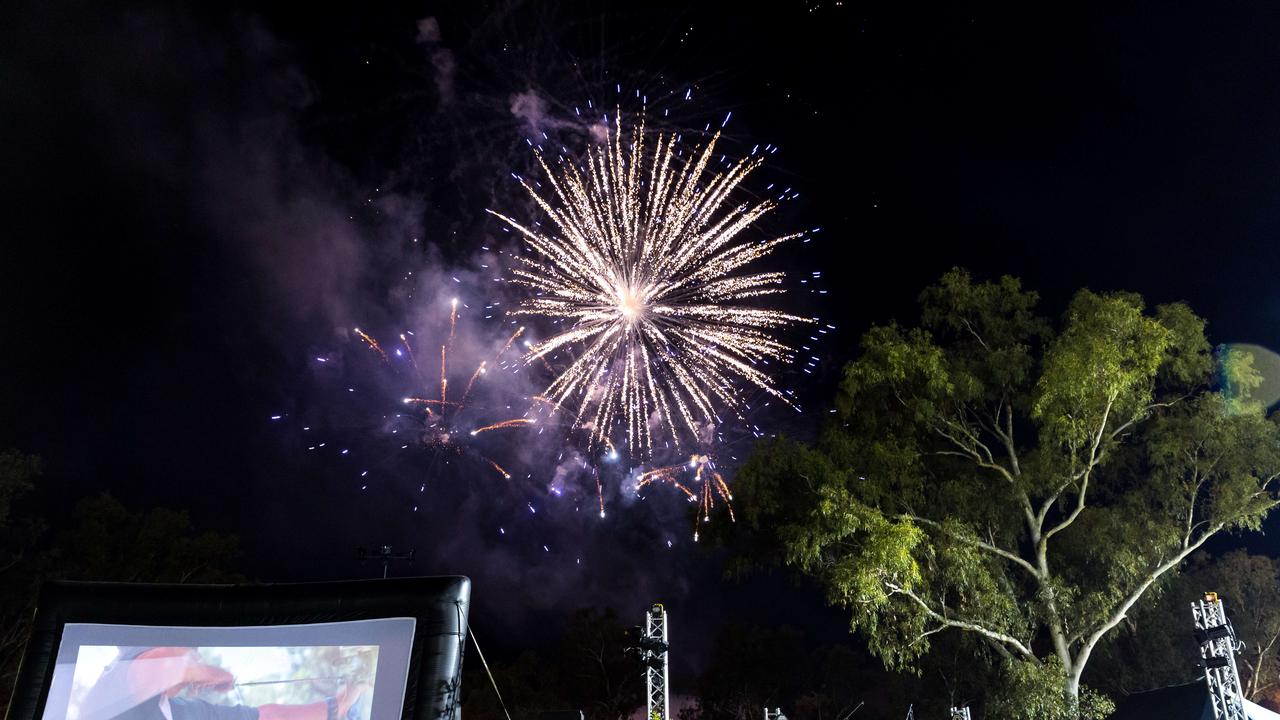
(1021,480)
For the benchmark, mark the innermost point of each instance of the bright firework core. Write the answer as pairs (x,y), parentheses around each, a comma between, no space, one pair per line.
(631,303)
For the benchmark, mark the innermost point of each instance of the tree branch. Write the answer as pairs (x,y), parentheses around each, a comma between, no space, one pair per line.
(927,633)
(1138,416)
(989,463)
(974,333)
(1121,610)
(17,558)
(1191,525)
(1007,436)
(993,549)
(975,443)
(1095,457)
(996,635)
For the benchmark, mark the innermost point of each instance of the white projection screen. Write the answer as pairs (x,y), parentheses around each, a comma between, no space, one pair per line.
(362,650)
(135,671)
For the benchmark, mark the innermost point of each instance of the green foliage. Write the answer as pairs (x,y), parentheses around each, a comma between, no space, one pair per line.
(1032,691)
(1248,585)
(1238,379)
(1104,361)
(327,669)
(1023,481)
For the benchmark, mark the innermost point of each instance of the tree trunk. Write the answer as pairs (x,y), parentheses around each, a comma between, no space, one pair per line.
(1072,688)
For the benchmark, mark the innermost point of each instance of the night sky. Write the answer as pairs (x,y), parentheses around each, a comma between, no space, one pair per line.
(200,202)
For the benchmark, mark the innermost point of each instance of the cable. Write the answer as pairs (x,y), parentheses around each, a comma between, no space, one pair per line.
(493,682)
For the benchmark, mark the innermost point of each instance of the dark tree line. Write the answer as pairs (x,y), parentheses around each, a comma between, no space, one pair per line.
(746,669)
(585,670)
(103,541)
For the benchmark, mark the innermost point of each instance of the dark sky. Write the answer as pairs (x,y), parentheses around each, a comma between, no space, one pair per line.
(200,202)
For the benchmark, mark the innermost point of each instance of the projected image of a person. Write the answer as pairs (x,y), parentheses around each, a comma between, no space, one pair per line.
(142,683)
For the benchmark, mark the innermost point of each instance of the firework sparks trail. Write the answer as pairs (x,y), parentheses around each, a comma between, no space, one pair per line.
(467,390)
(516,422)
(444,380)
(413,361)
(543,399)
(708,484)
(440,412)
(511,341)
(641,265)
(599,492)
(499,468)
(428,401)
(373,344)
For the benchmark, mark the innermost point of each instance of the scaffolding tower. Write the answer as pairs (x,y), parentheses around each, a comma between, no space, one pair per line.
(1218,655)
(656,676)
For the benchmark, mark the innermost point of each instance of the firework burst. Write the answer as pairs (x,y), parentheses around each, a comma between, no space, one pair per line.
(706,488)
(641,267)
(441,426)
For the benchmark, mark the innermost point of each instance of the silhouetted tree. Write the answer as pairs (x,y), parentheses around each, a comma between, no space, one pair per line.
(597,677)
(106,541)
(586,670)
(21,567)
(751,668)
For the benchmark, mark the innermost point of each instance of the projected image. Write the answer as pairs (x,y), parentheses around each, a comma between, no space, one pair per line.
(213,683)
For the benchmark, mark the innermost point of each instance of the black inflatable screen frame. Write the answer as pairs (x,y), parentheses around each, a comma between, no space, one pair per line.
(438,604)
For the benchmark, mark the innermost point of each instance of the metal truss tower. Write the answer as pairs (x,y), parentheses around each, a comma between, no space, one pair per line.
(960,713)
(1218,654)
(656,675)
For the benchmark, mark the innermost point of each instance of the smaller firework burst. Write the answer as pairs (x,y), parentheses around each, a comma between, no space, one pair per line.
(706,488)
(443,417)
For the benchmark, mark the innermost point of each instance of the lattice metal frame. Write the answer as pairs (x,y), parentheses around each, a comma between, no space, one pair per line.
(655,627)
(1218,655)
(961,713)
